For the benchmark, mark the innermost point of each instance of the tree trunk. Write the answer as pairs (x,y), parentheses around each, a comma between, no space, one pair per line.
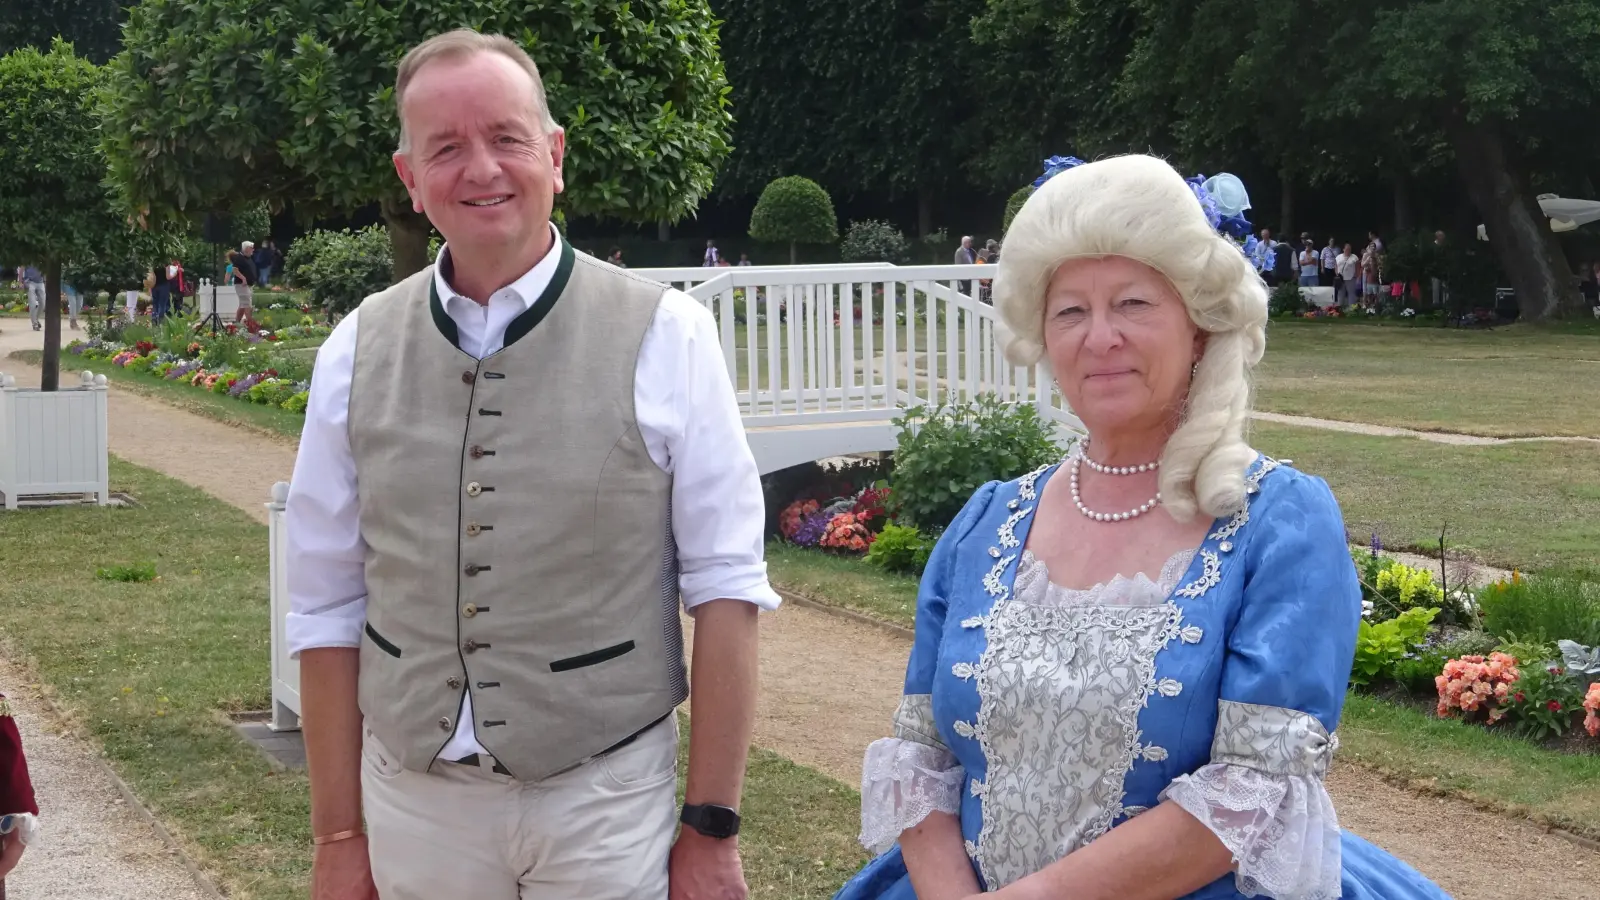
(50,379)
(1286,230)
(924,211)
(1403,218)
(794,253)
(1518,230)
(408,237)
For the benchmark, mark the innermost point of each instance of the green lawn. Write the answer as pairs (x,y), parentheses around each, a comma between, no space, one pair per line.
(1510,382)
(1527,506)
(1560,789)
(270,420)
(843,581)
(150,670)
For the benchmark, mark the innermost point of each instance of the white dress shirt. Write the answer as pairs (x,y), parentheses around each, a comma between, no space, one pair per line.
(686,412)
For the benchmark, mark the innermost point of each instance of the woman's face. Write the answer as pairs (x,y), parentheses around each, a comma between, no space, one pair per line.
(1121,342)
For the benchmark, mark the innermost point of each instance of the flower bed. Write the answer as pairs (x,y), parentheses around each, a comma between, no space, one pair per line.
(238,363)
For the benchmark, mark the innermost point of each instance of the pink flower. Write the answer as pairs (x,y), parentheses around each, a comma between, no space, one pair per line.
(1554,706)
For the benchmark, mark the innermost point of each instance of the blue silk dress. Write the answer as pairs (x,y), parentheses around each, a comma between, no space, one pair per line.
(1044,717)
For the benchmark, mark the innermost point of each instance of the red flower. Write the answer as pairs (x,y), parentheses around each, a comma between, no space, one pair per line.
(1554,705)
(1521,698)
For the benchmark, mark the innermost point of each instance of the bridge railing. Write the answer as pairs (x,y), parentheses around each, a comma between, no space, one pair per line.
(843,344)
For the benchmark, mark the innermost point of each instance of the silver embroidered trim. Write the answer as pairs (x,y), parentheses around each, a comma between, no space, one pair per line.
(1192,634)
(1169,687)
(1271,739)
(1210,576)
(914,721)
(963,671)
(1241,517)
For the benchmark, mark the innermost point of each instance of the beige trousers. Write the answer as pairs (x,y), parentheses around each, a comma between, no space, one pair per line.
(601,831)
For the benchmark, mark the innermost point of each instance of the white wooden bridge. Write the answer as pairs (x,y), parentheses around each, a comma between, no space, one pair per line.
(823,360)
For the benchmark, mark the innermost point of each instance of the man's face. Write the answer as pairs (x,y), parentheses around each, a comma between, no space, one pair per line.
(249,251)
(479,163)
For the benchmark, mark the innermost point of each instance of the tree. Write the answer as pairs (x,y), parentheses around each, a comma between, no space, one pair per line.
(817,91)
(54,206)
(874,241)
(92,27)
(1014,205)
(217,101)
(796,210)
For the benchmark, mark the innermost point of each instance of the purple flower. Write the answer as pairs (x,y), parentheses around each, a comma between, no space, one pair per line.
(812,528)
(1054,166)
(1377,545)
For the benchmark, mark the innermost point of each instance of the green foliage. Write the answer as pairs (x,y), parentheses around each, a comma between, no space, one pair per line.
(342,268)
(794,210)
(1014,205)
(1545,700)
(1285,299)
(1413,257)
(1415,673)
(900,548)
(1380,647)
(1547,607)
(1529,653)
(874,241)
(948,452)
(297,403)
(252,222)
(138,572)
(92,27)
(228,101)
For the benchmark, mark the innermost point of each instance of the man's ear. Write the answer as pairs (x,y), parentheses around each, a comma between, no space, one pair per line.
(408,177)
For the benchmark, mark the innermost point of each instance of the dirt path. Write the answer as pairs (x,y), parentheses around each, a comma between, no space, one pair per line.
(234,465)
(829,685)
(1438,437)
(93,844)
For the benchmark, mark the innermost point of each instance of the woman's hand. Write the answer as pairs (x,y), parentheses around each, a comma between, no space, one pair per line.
(11,848)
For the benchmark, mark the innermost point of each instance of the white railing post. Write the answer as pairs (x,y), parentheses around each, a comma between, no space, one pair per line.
(102,438)
(8,435)
(285,671)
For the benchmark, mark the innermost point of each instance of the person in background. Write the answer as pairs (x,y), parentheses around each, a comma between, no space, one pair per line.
(1372,269)
(1348,267)
(744,260)
(33,282)
(245,277)
(1310,262)
(1265,256)
(19,810)
(616,258)
(965,255)
(1330,254)
(712,257)
(160,294)
(267,259)
(180,285)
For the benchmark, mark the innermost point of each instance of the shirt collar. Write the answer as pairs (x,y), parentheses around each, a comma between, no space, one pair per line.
(525,290)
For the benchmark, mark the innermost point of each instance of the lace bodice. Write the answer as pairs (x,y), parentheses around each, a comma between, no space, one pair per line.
(1034,585)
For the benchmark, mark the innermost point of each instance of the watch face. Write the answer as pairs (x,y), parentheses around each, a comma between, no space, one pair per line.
(713,821)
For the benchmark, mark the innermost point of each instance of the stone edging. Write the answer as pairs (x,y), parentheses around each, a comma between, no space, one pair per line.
(830,609)
(201,880)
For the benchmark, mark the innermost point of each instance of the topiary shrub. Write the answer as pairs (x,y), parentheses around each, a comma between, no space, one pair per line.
(874,241)
(342,268)
(794,210)
(947,453)
(1014,204)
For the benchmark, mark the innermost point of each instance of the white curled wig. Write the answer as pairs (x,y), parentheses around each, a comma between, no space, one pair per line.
(1139,207)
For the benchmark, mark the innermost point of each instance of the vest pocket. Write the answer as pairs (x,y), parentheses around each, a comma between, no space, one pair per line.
(382,643)
(587,659)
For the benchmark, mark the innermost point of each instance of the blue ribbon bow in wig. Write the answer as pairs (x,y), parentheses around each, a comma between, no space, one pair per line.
(1222,196)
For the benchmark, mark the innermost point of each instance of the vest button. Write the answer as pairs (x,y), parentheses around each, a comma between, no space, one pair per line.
(453,682)
(470,610)
(476,452)
(473,569)
(444,723)
(474,529)
(470,647)
(474,489)
(468,378)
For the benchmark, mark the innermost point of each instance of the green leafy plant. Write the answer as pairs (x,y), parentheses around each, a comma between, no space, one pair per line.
(948,452)
(1014,205)
(794,210)
(1545,701)
(1379,647)
(342,268)
(138,572)
(1547,607)
(1286,300)
(900,548)
(874,241)
(1529,653)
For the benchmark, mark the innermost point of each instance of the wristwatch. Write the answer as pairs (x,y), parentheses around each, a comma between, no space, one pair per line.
(711,820)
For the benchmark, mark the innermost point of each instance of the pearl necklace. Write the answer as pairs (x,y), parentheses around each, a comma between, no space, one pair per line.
(1077,499)
(1118,470)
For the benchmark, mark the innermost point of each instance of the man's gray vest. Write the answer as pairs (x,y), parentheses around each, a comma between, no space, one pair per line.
(517,530)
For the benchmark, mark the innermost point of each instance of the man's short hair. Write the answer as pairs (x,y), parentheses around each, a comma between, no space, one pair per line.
(245,246)
(460,44)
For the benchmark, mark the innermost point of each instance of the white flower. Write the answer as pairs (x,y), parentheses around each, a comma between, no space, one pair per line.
(1409,312)
(1366,608)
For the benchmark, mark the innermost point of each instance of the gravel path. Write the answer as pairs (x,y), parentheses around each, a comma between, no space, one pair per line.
(94,846)
(829,685)
(1438,437)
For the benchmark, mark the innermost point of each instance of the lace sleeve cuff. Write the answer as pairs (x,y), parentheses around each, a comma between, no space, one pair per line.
(1263,797)
(902,781)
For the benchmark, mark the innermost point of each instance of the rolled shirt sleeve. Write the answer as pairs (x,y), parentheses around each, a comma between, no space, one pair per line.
(326,578)
(689,417)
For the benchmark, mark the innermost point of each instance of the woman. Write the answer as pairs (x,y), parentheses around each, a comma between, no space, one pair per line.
(1128,665)
(19,825)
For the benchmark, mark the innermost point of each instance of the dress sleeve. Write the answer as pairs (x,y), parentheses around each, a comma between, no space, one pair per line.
(16,790)
(913,773)
(1283,683)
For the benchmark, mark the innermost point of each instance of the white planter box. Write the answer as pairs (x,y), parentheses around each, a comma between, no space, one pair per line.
(285,671)
(53,442)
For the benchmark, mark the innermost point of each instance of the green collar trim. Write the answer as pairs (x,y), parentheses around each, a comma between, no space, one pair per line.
(522,324)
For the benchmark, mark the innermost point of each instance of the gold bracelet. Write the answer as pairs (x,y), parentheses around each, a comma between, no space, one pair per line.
(337,836)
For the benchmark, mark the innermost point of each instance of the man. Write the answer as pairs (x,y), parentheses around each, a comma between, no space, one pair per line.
(1310,262)
(1347,265)
(1265,256)
(18,808)
(514,463)
(245,276)
(712,257)
(33,283)
(1372,270)
(965,256)
(1330,254)
(267,261)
